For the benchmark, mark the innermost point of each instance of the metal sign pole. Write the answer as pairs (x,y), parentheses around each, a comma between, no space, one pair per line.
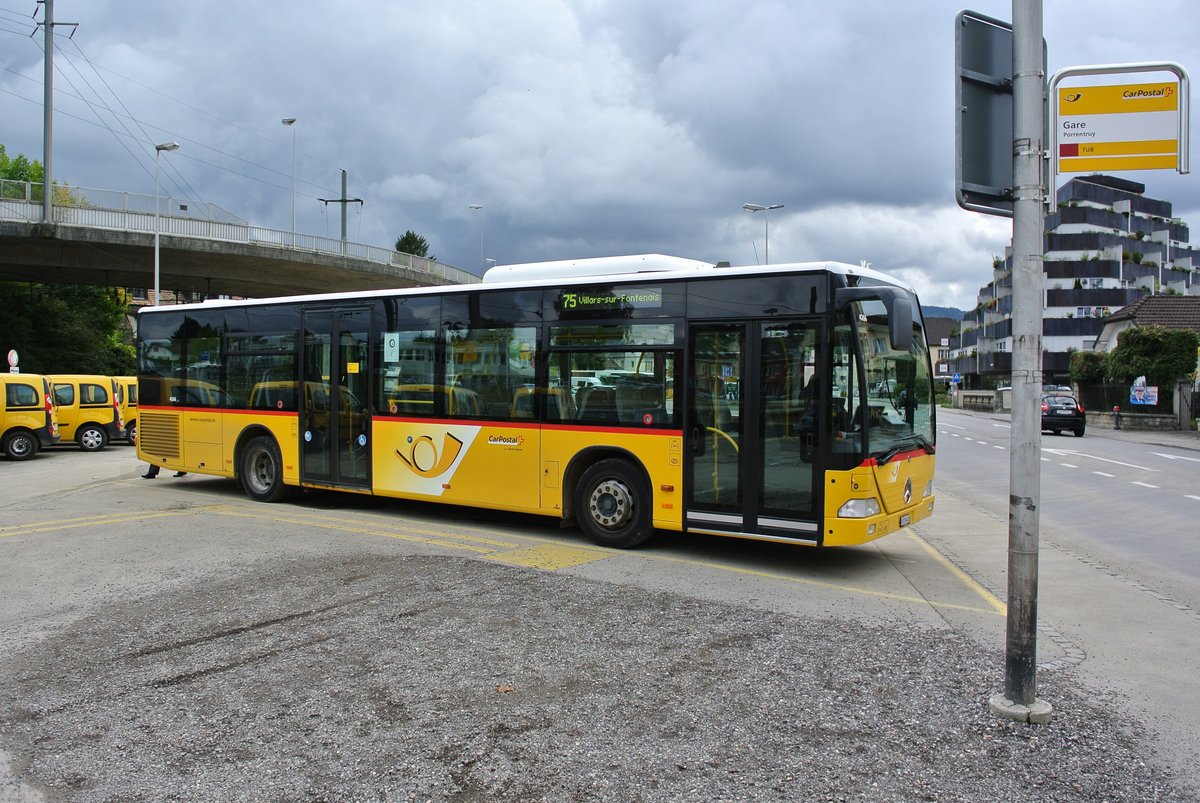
(1019,700)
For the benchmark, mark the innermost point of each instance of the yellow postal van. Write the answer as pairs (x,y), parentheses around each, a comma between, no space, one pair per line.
(89,412)
(28,418)
(127,396)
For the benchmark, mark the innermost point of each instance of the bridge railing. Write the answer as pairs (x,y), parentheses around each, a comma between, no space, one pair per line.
(79,206)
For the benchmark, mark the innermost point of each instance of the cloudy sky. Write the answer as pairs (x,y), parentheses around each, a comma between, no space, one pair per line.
(583,127)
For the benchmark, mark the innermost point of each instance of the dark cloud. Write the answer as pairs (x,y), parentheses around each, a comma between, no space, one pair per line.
(583,128)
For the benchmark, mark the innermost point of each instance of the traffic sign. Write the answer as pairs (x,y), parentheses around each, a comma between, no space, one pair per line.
(956,379)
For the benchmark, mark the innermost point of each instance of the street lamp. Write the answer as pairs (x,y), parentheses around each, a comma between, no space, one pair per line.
(158,149)
(479,208)
(290,122)
(766,226)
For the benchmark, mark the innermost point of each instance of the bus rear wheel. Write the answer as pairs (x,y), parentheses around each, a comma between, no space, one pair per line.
(262,470)
(612,505)
(20,445)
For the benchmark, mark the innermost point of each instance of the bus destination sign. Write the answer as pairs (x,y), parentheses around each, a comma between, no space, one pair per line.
(616,299)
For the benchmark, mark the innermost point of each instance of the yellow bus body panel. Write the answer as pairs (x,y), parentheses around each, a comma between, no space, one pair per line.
(887,484)
(512,466)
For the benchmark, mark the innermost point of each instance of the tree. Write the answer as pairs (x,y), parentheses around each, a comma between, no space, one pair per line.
(66,329)
(415,244)
(1160,354)
(18,168)
(1087,367)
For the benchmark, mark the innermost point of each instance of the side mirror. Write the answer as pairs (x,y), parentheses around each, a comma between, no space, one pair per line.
(897,302)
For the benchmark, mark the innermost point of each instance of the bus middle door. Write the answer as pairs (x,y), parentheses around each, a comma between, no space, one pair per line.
(334,421)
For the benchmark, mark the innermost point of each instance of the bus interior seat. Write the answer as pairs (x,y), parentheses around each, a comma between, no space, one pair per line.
(635,399)
(599,404)
(522,404)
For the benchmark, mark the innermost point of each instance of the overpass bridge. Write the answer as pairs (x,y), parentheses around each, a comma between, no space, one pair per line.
(106,238)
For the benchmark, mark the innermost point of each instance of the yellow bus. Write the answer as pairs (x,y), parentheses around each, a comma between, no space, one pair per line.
(789,403)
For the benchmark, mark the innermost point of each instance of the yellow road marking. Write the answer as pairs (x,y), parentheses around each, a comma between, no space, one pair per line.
(444,540)
(991,599)
(549,557)
(443,533)
(87,521)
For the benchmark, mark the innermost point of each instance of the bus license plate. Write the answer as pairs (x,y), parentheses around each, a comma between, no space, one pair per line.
(905,519)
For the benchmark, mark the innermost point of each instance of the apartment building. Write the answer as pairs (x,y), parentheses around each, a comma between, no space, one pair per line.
(1105,246)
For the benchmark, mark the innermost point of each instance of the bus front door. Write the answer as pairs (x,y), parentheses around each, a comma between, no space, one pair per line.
(334,423)
(753,451)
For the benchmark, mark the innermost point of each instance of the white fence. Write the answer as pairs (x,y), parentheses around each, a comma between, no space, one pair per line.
(21,201)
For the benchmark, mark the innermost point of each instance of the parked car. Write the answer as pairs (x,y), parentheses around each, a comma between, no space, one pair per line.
(1061,412)
(28,415)
(89,411)
(127,392)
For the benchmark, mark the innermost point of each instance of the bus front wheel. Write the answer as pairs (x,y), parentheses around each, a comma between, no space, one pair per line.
(612,505)
(262,470)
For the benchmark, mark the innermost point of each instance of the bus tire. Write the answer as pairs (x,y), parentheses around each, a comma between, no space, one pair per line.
(20,445)
(91,438)
(262,470)
(612,505)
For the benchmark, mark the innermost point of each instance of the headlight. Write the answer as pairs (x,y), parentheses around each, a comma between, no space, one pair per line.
(928,490)
(859,509)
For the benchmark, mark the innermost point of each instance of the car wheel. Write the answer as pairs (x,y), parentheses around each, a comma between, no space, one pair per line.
(262,470)
(20,445)
(131,433)
(91,438)
(1079,432)
(612,505)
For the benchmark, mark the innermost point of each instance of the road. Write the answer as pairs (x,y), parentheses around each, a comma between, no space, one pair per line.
(1132,505)
(175,619)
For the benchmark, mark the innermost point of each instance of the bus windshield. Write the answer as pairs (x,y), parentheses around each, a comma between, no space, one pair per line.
(898,390)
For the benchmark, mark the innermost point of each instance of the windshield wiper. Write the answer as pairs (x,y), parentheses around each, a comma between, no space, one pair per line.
(903,445)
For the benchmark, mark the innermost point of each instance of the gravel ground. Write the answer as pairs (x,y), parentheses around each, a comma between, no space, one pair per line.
(427,678)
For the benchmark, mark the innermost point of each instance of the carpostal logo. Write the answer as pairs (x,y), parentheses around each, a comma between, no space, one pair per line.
(1156,92)
(425,459)
(506,440)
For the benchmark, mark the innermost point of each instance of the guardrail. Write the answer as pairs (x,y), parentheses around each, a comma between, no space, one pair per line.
(21,201)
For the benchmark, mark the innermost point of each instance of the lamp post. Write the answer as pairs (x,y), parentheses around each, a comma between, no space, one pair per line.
(158,149)
(290,122)
(479,208)
(766,226)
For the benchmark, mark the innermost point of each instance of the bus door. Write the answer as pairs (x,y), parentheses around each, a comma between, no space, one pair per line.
(334,424)
(753,450)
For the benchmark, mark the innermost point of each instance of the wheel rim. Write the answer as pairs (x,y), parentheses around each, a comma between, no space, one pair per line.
(133,433)
(262,471)
(20,446)
(92,439)
(611,504)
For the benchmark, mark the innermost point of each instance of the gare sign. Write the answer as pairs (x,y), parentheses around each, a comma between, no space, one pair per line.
(1115,127)
(1123,127)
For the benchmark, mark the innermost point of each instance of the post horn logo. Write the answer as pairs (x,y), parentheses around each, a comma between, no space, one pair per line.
(425,459)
